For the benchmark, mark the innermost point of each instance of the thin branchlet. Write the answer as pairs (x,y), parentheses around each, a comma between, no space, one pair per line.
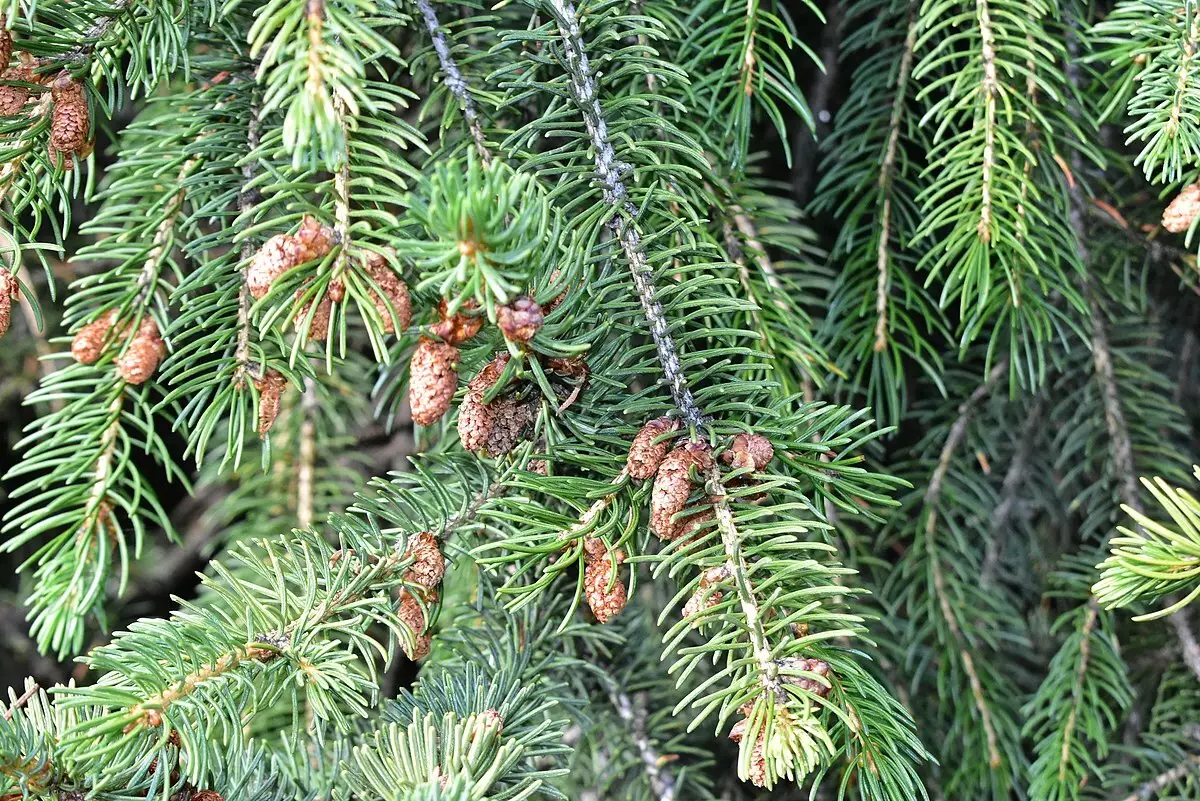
(932,495)
(453,78)
(632,712)
(609,171)
(887,174)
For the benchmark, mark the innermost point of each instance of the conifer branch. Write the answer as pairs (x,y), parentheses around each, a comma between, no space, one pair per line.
(632,713)
(306,469)
(886,177)
(454,80)
(245,204)
(1152,788)
(608,171)
(932,493)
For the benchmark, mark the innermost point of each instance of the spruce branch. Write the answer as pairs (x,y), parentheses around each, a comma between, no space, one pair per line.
(454,80)
(932,493)
(1152,788)
(608,171)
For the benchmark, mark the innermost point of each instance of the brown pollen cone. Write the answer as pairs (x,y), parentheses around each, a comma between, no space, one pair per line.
(432,381)
(318,328)
(510,418)
(270,394)
(14,98)
(560,297)
(6,47)
(749,451)
(460,327)
(605,602)
(277,255)
(207,795)
(141,358)
(412,616)
(476,418)
(395,294)
(645,455)
(69,122)
(88,343)
(429,566)
(1180,212)
(9,294)
(314,238)
(520,320)
(815,666)
(701,601)
(673,485)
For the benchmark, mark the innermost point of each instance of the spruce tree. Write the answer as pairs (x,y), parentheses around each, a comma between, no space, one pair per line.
(599,399)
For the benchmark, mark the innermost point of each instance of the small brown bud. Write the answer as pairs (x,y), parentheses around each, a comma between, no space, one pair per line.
(270,394)
(645,455)
(539,466)
(10,290)
(1179,214)
(88,344)
(207,795)
(493,719)
(395,295)
(145,351)
(605,602)
(673,485)
(749,451)
(429,566)
(520,320)
(70,120)
(433,379)
(558,299)
(460,327)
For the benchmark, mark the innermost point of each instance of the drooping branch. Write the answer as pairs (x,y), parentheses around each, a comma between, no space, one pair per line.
(931,498)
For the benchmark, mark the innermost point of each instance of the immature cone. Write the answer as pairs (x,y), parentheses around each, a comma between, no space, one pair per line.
(511,416)
(314,238)
(88,343)
(14,98)
(69,122)
(1179,214)
(433,378)
(673,484)
(429,566)
(270,393)
(749,451)
(141,358)
(520,320)
(457,328)
(9,289)
(605,602)
(395,294)
(645,455)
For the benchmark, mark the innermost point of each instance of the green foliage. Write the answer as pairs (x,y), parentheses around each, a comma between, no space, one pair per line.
(1153,560)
